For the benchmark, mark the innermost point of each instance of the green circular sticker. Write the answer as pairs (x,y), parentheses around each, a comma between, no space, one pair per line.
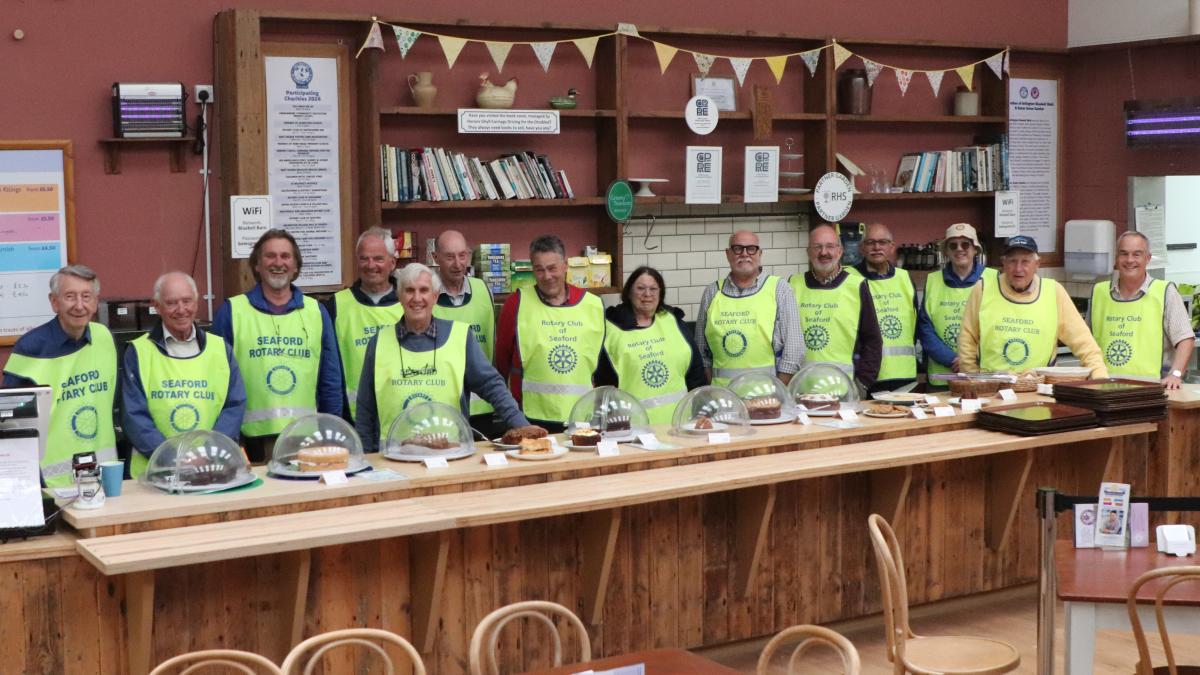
(618,201)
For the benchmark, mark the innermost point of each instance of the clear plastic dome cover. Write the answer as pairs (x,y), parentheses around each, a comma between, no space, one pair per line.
(428,429)
(766,398)
(197,461)
(708,409)
(820,387)
(316,443)
(610,411)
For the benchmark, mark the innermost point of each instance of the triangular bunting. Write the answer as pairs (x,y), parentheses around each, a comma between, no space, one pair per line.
(811,59)
(777,64)
(1006,61)
(967,74)
(740,66)
(499,52)
(935,80)
(452,47)
(628,29)
(872,71)
(840,54)
(374,39)
(544,52)
(665,54)
(587,47)
(996,63)
(405,37)
(903,77)
(703,62)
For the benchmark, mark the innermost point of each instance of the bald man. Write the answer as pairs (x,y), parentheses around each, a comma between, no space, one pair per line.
(837,310)
(178,377)
(747,321)
(467,299)
(895,300)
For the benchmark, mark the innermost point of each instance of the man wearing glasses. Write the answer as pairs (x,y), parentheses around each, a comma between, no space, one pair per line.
(837,310)
(895,302)
(748,321)
(1141,323)
(946,292)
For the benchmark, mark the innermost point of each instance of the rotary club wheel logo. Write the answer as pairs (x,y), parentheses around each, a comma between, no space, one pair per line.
(655,374)
(1118,353)
(281,380)
(950,333)
(85,423)
(185,417)
(1016,351)
(562,359)
(891,327)
(734,343)
(419,397)
(816,338)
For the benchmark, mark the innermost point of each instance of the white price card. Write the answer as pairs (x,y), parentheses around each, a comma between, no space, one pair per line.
(436,463)
(803,418)
(718,437)
(333,477)
(943,411)
(848,415)
(495,459)
(919,413)
(607,449)
(1045,389)
(1007,395)
(970,405)
(932,400)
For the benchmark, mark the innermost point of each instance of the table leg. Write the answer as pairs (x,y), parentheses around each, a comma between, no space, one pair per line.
(1079,627)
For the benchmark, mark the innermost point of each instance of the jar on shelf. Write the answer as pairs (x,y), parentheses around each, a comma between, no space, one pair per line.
(791,173)
(854,92)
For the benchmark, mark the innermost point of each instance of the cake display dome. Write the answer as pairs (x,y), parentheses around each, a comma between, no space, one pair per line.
(767,399)
(608,412)
(317,443)
(823,389)
(427,430)
(711,409)
(197,461)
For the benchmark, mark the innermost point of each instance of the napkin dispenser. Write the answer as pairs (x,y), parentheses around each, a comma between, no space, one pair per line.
(1176,540)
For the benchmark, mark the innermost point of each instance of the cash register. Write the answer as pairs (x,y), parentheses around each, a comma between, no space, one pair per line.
(24,416)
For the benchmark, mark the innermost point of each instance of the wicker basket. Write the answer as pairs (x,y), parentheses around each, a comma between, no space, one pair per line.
(1028,382)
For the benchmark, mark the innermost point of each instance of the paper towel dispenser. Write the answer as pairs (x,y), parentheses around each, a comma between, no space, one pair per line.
(1088,247)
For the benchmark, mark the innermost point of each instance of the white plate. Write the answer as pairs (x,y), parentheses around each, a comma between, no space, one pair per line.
(581,448)
(650,180)
(898,399)
(556,452)
(290,472)
(783,418)
(215,487)
(505,446)
(795,191)
(690,427)
(449,453)
(1064,371)
(827,412)
(891,415)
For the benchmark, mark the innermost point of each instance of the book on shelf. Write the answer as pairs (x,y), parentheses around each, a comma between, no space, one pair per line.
(975,168)
(439,174)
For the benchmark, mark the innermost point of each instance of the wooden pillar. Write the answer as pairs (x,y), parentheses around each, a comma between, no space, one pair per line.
(139,620)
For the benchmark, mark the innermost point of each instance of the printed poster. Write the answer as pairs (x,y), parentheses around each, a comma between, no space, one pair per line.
(33,232)
(1033,157)
(703,174)
(762,174)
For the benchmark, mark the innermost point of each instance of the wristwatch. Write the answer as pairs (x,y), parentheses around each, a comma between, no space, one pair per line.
(1176,373)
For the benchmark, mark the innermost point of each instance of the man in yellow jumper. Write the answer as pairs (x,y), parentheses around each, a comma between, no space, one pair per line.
(1016,323)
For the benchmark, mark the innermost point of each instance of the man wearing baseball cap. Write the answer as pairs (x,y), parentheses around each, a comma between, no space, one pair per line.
(1017,323)
(940,315)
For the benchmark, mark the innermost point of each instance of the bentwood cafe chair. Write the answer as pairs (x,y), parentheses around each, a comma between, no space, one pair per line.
(927,655)
(1168,578)
(809,636)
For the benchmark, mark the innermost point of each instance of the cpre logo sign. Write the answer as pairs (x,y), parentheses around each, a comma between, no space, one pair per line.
(833,196)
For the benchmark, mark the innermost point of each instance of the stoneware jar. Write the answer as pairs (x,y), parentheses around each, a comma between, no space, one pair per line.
(422,88)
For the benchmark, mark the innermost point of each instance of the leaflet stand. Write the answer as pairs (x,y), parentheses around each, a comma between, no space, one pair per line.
(24,421)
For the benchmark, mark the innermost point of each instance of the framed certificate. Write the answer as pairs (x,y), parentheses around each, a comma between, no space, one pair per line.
(720,89)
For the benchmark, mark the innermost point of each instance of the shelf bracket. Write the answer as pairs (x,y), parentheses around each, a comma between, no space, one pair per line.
(597,548)
(753,513)
(1007,474)
(889,489)
(427,560)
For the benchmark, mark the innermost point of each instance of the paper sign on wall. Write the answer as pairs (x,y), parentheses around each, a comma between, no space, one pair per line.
(249,217)
(1008,213)
(762,174)
(703,174)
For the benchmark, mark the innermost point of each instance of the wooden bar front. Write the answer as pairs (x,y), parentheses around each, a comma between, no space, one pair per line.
(674,578)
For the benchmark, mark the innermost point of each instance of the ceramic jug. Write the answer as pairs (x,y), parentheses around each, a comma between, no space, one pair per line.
(422,88)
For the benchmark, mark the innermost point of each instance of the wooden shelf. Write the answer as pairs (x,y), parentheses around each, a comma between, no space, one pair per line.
(433,112)
(739,115)
(924,119)
(112,151)
(496,203)
(901,196)
(725,199)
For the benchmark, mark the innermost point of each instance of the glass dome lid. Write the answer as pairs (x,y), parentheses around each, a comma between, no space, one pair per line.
(613,413)
(823,388)
(427,430)
(317,443)
(767,399)
(711,409)
(197,461)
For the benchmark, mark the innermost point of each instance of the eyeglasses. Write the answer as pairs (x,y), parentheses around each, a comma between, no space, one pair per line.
(963,244)
(750,249)
(646,289)
(877,243)
(818,248)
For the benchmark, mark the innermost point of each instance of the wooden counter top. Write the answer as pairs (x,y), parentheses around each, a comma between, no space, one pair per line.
(1187,396)
(57,545)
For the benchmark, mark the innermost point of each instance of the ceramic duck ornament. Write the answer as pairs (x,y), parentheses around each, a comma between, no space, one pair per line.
(564,102)
(491,96)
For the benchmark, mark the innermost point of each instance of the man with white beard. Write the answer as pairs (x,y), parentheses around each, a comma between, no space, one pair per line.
(284,345)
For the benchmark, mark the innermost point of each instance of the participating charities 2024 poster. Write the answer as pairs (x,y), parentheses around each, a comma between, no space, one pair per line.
(33,235)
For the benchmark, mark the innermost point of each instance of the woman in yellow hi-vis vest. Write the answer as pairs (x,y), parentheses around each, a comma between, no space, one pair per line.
(647,351)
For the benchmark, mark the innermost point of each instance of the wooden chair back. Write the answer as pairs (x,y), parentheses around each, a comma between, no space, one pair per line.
(247,663)
(893,585)
(301,661)
(482,652)
(1170,578)
(810,636)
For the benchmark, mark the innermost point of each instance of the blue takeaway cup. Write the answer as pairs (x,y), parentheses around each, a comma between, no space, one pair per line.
(111,476)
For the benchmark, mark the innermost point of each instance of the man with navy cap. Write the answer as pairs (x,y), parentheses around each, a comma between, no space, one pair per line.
(1016,323)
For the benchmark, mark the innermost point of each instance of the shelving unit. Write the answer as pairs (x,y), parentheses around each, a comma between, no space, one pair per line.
(113,147)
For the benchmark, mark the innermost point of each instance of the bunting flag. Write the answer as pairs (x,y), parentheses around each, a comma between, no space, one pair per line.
(703,62)
(966,74)
(665,54)
(740,66)
(903,77)
(405,38)
(840,54)
(628,29)
(587,47)
(374,39)
(811,59)
(935,80)
(996,63)
(1006,62)
(499,52)
(544,51)
(452,47)
(872,71)
(777,64)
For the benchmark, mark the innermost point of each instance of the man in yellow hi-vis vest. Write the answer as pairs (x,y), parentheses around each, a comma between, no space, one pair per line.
(895,300)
